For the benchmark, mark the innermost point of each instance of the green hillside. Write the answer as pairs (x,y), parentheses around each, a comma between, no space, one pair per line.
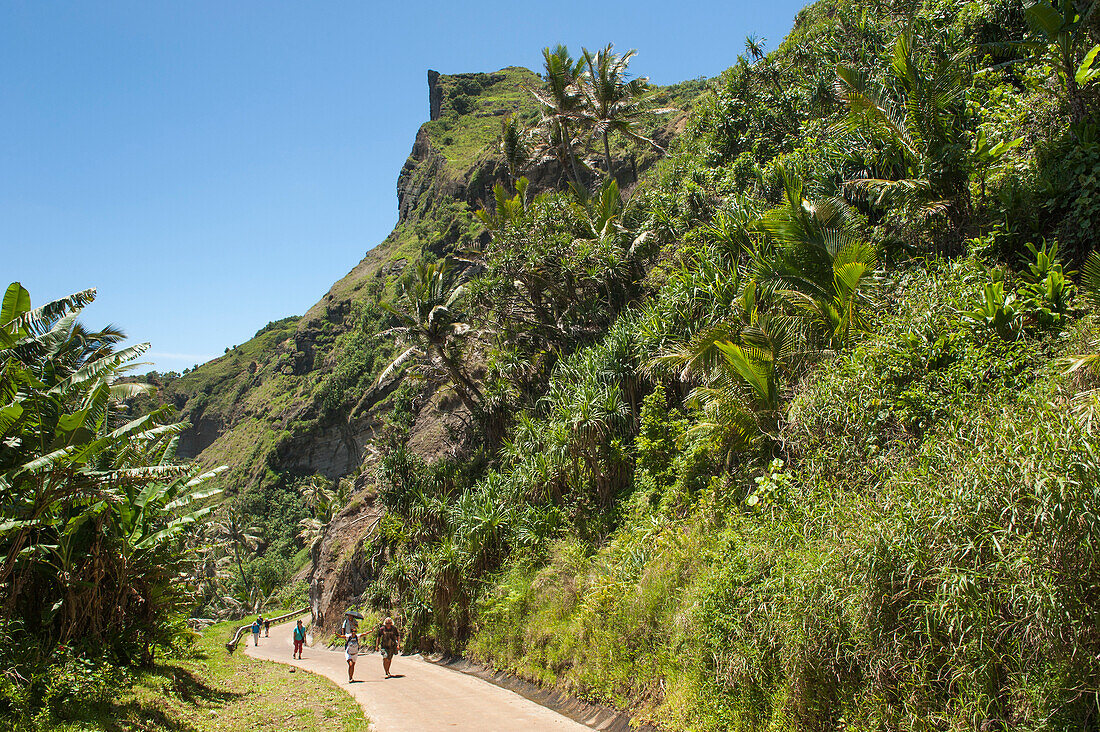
(299,399)
(766,402)
(779,439)
(787,438)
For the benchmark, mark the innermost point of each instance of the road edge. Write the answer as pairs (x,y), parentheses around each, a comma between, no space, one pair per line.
(295,668)
(596,716)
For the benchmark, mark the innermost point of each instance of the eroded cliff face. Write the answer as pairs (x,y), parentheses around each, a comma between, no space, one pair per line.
(344,563)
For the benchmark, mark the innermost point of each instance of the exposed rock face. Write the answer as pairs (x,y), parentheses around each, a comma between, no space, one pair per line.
(435,95)
(343,564)
(419,184)
(201,434)
(333,450)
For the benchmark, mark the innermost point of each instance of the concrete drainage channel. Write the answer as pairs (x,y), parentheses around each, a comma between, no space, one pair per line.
(595,716)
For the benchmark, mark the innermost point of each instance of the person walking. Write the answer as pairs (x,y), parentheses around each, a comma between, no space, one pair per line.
(351,623)
(267,628)
(256,632)
(299,640)
(388,638)
(351,653)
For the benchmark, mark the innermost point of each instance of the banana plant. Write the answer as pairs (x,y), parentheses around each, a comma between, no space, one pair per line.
(94,508)
(1085,73)
(1063,29)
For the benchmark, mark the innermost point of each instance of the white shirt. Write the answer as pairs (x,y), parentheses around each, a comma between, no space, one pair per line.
(351,649)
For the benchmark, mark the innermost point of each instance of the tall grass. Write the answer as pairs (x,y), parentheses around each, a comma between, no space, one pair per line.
(929,561)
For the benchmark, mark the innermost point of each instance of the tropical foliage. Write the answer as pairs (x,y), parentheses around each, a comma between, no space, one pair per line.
(795,430)
(98,515)
(744,455)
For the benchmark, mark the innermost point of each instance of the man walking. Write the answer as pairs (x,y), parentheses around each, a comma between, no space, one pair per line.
(388,638)
(256,632)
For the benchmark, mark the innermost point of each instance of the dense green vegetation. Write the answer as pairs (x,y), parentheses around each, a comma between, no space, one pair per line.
(792,430)
(784,438)
(96,512)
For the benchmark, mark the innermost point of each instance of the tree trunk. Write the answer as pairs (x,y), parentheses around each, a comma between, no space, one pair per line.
(466,389)
(569,148)
(607,155)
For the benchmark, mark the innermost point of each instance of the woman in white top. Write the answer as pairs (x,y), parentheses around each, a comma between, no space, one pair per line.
(351,652)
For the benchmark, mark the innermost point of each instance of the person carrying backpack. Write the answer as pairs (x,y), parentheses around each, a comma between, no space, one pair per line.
(351,653)
(256,632)
(299,640)
(388,638)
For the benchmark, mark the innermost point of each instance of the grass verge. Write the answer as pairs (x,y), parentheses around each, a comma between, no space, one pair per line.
(214,690)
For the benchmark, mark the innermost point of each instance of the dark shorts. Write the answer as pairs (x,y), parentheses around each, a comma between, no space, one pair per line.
(298,646)
(388,652)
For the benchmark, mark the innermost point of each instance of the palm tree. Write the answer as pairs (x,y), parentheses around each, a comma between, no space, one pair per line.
(919,117)
(513,146)
(427,319)
(317,495)
(232,526)
(612,102)
(507,209)
(310,530)
(818,263)
(562,99)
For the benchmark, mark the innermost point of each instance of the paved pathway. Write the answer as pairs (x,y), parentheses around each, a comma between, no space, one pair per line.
(424,697)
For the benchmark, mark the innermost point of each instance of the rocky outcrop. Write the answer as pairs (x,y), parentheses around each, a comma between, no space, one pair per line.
(261,408)
(199,436)
(435,95)
(332,450)
(344,561)
(420,183)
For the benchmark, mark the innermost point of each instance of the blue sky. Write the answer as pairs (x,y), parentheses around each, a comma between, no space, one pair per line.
(212,166)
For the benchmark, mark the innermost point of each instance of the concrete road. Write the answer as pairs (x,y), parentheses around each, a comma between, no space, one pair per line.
(422,697)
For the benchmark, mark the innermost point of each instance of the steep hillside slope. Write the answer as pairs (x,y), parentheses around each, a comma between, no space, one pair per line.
(300,399)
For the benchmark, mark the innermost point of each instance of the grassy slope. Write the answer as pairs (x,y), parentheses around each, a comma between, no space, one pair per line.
(471,110)
(216,690)
(880,561)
